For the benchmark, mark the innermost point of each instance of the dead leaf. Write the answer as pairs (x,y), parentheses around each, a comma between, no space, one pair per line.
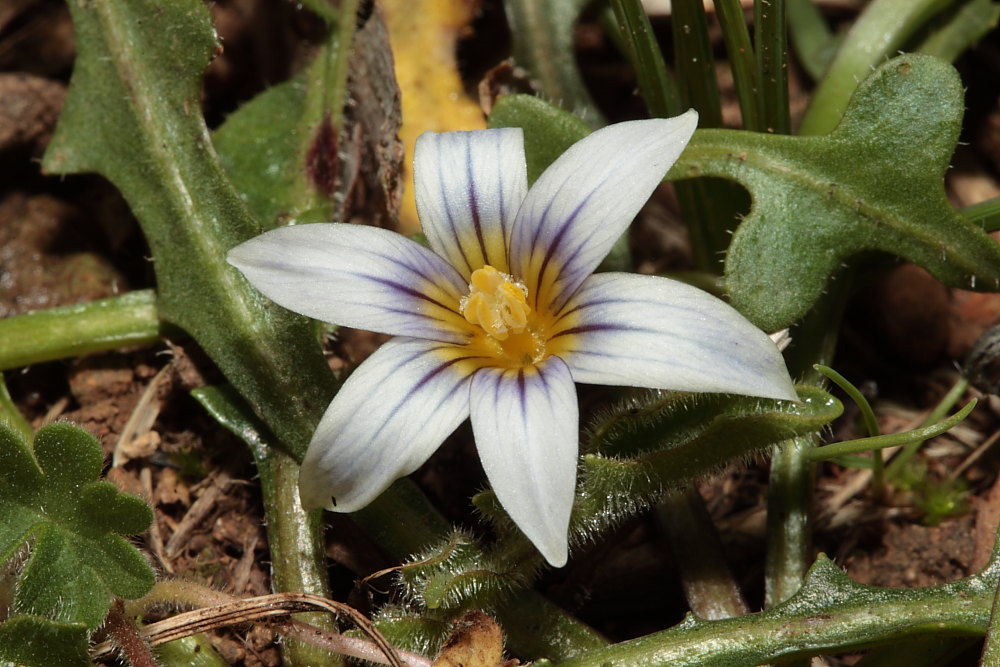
(475,641)
(423,34)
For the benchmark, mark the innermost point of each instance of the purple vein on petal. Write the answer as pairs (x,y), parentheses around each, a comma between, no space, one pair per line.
(408,291)
(451,219)
(474,204)
(422,382)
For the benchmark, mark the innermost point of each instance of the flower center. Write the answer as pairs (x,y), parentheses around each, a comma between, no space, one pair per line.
(498,304)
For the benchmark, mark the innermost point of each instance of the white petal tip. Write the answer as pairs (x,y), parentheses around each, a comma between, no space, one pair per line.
(555,555)
(315,493)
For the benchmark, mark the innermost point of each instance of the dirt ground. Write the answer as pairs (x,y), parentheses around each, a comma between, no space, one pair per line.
(71,240)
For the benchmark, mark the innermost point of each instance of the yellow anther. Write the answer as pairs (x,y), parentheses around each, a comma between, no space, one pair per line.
(496,302)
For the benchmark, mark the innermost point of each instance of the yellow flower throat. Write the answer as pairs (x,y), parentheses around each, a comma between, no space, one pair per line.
(498,305)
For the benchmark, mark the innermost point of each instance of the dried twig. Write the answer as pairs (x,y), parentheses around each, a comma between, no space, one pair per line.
(274,606)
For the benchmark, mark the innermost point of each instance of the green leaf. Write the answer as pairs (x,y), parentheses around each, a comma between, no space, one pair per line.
(50,498)
(258,146)
(40,642)
(829,614)
(548,130)
(702,431)
(133,114)
(875,183)
(643,448)
(282,149)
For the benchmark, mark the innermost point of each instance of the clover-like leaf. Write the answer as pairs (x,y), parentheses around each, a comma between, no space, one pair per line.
(874,183)
(51,498)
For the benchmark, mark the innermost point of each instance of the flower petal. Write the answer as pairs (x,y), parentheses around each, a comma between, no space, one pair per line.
(525,423)
(468,187)
(387,419)
(586,199)
(356,276)
(645,331)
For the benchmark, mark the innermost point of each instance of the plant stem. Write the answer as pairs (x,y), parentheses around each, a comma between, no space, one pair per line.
(869,420)
(656,86)
(10,414)
(811,37)
(68,331)
(878,32)
(792,473)
(910,438)
(708,583)
(711,207)
(986,213)
(694,61)
(789,529)
(193,651)
(741,60)
(832,615)
(943,407)
(970,21)
(295,539)
(771,52)
(536,627)
(543,45)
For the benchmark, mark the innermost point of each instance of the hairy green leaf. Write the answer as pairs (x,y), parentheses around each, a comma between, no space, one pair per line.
(707,429)
(258,146)
(875,183)
(133,114)
(32,641)
(830,613)
(548,130)
(52,499)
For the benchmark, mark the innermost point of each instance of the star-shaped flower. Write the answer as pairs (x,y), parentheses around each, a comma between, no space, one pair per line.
(499,318)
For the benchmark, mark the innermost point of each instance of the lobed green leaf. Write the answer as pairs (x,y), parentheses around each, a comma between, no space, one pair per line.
(874,183)
(829,613)
(133,114)
(51,498)
(41,642)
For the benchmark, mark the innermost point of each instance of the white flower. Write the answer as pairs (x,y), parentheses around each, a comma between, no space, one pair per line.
(501,316)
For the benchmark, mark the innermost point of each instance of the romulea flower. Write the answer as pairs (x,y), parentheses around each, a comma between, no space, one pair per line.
(499,318)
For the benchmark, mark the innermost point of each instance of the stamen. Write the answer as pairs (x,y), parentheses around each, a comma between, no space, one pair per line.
(496,302)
